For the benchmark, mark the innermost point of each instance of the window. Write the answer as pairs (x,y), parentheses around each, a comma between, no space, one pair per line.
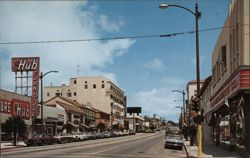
(74,81)
(103,86)
(57,94)
(102,81)
(86,86)
(74,93)
(68,94)
(224,55)
(48,94)
(94,86)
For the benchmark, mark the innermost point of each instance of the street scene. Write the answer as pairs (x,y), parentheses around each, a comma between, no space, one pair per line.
(125,78)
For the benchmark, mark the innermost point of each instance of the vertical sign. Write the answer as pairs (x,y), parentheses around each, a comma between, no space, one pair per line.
(29,64)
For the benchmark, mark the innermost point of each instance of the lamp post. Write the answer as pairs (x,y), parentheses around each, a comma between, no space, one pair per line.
(181,116)
(183,100)
(111,116)
(41,102)
(197,15)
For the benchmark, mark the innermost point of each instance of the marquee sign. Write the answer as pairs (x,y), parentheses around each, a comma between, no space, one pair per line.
(16,107)
(25,64)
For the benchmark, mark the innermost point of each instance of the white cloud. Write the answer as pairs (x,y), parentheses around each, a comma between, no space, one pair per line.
(160,101)
(110,26)
(55,20)
(154,64)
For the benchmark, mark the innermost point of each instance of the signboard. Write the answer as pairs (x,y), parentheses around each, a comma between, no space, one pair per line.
(5,106)
(21,108)
(133,109)
(29,64)
(16,108)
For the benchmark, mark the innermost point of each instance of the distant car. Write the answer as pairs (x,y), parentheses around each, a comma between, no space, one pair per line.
(64,138)
(173,142)
(42,139)
(132,132)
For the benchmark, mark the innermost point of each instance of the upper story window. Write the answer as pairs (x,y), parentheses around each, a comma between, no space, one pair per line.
(57,94)
(74,81)
(94,86)
(103,86)
(68,94)
(74,93)
(48,94)
(85,86)
(224,56)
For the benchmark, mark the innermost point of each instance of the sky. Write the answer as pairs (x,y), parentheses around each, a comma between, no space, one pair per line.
(147,69)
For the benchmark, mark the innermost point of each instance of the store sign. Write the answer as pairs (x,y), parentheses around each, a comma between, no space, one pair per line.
(29,64)
(226,92)
(5,106)
(21,109)
(16,108)
(25,64)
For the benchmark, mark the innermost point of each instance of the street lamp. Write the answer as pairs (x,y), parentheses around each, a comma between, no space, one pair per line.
(183,100)
(181,116)
(41,78)
(197,15)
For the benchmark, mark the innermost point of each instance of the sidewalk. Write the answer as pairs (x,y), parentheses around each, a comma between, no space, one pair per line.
(8,145)
(210,151)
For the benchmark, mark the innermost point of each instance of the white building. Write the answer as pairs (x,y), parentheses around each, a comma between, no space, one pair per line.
(98,92)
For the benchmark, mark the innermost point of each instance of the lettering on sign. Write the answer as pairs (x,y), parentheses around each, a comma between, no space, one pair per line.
(21,109)
(5,106)
(25,64)
(29,64)
(227,91)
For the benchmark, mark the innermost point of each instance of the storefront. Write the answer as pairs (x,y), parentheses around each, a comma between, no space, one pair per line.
(230,113)
(13,104)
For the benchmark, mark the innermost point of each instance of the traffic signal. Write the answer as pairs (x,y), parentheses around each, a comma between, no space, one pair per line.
(195,104)
(199,118)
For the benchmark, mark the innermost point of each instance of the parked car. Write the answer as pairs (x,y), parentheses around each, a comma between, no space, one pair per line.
(64,138)
(173,141)
(79,136)
(42,139)
(131,132)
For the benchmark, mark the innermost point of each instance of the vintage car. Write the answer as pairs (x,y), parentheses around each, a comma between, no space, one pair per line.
(173,141)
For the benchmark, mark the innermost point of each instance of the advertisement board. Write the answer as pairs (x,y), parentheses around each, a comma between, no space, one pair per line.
(16,107)
(25,64)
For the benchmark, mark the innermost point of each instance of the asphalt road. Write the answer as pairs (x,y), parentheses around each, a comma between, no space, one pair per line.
(138,146)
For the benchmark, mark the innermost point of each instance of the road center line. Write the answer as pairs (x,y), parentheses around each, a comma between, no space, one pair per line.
(104,150)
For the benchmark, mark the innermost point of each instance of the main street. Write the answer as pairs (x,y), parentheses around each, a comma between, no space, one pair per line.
(138,146)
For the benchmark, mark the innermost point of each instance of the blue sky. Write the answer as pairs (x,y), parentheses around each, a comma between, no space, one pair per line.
(147,69)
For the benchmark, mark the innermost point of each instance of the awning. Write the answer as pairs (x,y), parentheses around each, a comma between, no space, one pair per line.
(83,126)
(72,124)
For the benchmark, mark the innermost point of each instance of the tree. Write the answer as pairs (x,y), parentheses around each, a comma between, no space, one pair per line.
(16,126)
(101,126)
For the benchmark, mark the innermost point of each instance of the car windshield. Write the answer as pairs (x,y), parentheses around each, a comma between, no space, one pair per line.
(124,78)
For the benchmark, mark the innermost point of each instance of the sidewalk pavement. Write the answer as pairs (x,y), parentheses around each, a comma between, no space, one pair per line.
(9,145)
(210,151)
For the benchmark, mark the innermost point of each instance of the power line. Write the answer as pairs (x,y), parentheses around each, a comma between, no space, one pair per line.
(119,38)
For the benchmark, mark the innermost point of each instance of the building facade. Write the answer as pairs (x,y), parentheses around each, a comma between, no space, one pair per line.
(60,113)
(13,104)
(98,92)
(135,122)
(230,85)
(191,92)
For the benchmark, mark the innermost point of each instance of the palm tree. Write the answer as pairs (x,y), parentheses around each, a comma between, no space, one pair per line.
(16,126)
